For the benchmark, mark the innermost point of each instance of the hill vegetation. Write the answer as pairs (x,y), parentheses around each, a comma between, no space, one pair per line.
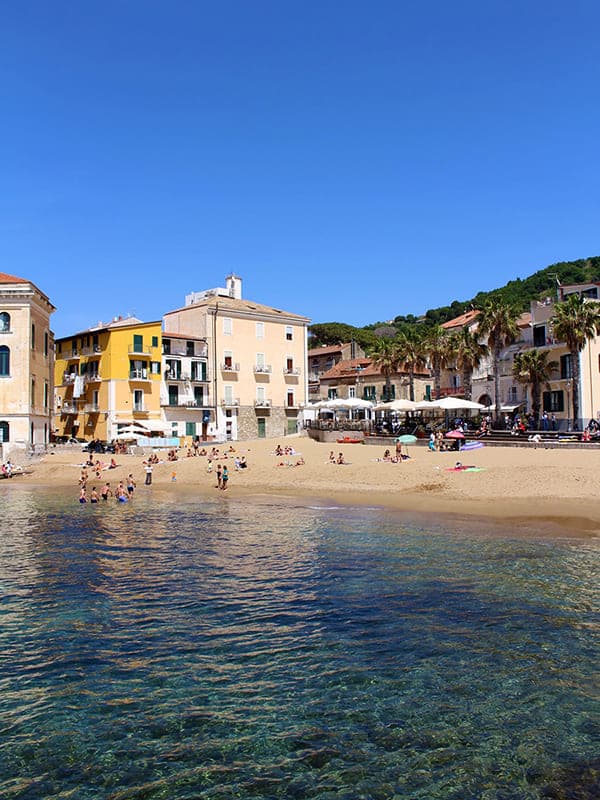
(519,293)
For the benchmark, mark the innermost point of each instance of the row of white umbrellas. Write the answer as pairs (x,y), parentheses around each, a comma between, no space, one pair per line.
(447,404)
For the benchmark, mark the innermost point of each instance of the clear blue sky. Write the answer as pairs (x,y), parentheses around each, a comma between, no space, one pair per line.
(350,160)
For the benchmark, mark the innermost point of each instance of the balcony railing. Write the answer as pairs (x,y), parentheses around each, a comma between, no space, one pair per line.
(230,401)
(68,378)
(138,375)
(200,350)
(91,408)
(229,366)
(144,350)
(92,350)
(74,353)
(183,403)
(198,377)
(140,408)
(92,377)
(264,403)
(69,408)
(291,371)
(264,369)
(176,376)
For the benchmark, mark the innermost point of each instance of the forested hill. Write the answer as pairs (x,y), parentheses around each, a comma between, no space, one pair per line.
(519,292)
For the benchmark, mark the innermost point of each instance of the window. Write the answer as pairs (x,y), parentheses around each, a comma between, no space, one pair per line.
(260,330)
(228,358)
(166,346)
(4,432)
(138,400)
(189,348)
(4,323)
(155,367)
(512,394)
(198,370)
(45,394)
(174,368)
(331,394)
(4,361)
(289,333)
(138,343)
(155,341)
(566,367)
(388,393)
(95,398)
(190,428)
(370,393)
(228,392)
(290,398)
(553,401)
(289,365)
(173,395)
(33,336)
(199,395)
(260,394)
(260,362)
(46,343)
(352,391)
(539,336)
(227,326)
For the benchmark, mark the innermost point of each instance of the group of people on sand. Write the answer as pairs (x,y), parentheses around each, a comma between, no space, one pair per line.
(288,450)
(7,469)
(339,459)
(122,493)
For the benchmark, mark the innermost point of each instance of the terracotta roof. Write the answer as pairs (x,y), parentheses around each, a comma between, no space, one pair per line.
(459,322)
(6,278)
(325,351)
(242,306)
(353,367)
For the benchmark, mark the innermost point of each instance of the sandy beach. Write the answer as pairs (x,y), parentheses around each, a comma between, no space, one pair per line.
(521,486)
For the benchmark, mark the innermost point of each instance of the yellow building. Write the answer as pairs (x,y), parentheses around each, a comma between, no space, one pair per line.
(107,378)
(256,362)
(26,365)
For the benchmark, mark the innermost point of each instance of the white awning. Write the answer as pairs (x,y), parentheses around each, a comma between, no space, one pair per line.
(155,425)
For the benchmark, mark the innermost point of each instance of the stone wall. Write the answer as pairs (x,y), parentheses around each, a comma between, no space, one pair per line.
(276,422)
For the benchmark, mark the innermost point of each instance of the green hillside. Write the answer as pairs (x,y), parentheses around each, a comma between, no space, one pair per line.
(519,292)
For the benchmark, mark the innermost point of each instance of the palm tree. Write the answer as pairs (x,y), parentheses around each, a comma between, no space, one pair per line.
(384,355)
(576,321)
(437,347)
(410,352)
(468,353)
(498,322)
(532,368)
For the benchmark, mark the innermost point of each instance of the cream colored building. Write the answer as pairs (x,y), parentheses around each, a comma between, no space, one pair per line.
(26,365)
(256,359)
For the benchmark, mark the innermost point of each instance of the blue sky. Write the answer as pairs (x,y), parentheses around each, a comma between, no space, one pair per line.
(351,161)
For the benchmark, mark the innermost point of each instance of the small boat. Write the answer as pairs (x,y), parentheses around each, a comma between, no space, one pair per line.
(348,440)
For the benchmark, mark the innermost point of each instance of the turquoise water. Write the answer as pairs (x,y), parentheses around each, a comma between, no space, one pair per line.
(244,650)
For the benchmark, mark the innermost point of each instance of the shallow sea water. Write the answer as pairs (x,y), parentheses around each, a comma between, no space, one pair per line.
(230,649)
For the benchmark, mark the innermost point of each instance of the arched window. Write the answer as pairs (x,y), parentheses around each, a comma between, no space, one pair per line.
(4,432)
(4,360)
(4,322)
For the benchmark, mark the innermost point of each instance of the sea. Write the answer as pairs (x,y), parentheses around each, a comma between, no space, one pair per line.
(180,646)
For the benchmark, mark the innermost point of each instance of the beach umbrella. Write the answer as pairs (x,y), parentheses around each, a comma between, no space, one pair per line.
(455,435)
(456,404)
(471,445)
(406,438)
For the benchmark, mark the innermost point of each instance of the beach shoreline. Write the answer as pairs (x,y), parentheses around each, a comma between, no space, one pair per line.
(517,487)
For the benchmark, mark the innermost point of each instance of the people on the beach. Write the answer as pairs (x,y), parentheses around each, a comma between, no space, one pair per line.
(148,470)
(94,495)
(219,476)
(83,495)
(340,459)
(106,491)
(224,478)
(131,484)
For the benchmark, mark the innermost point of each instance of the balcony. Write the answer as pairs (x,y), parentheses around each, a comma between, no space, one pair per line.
(93,350)
(176,376)
(68,378)
(262,369)
(200,349)
(139,375)
(73,354)
(143,350)
(198,377)
(291,371)
(263,403)
(92,377)
(230,402)
(140,408)
(92,408)
(69,408)
(229,366)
